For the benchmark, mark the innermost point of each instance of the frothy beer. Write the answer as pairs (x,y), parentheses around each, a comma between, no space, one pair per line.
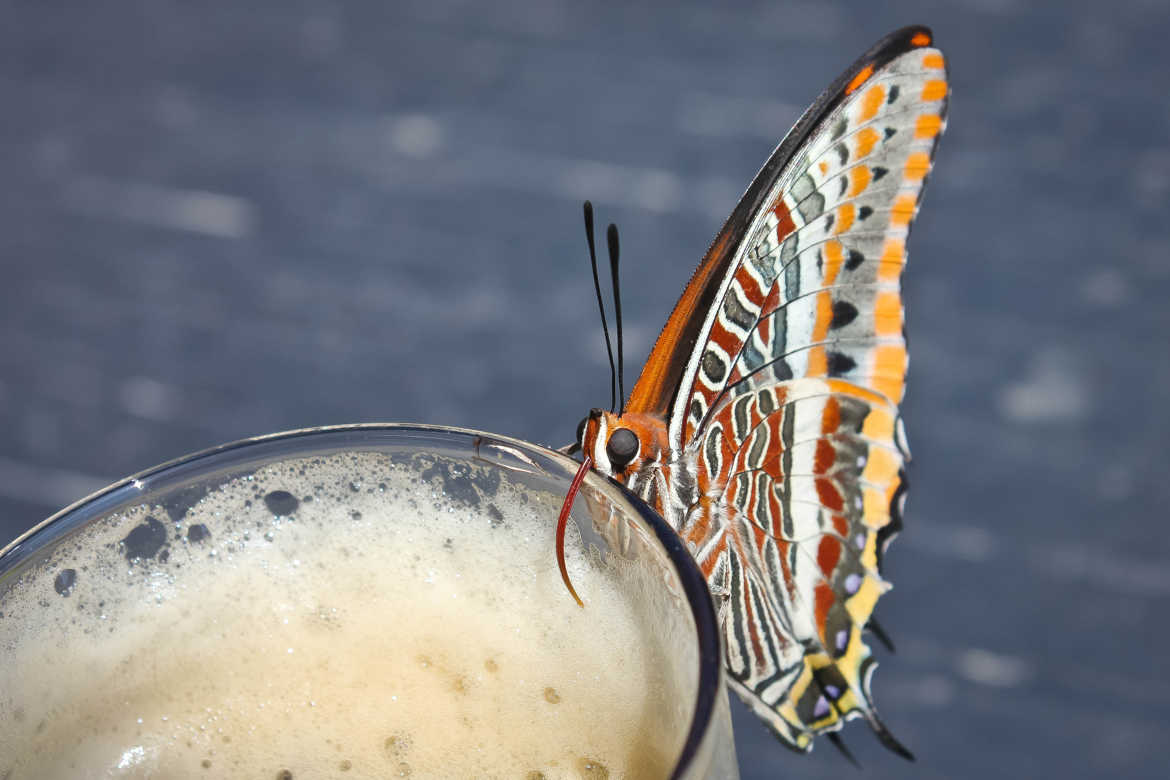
(343,616)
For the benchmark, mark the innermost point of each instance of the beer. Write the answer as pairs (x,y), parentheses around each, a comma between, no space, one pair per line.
(350,615)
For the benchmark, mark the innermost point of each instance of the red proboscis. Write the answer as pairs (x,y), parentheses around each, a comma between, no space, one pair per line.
(563,520)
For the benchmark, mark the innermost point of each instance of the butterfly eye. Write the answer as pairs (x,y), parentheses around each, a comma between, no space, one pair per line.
(581,430)
(621,448)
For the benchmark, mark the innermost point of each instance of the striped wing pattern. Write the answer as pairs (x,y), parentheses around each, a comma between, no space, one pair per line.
(791,415)
(799,486)
(814,290)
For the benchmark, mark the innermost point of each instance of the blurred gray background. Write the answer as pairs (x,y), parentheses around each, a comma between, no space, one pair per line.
(223,219)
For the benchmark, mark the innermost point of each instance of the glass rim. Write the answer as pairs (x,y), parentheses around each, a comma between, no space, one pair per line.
(694,586)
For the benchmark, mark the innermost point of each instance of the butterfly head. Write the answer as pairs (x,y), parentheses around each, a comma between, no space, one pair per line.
(620,445)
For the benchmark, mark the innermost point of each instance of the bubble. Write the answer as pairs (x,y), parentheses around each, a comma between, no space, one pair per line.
(65,581)
(206,763)
(281,502)
(403,769)
(284,774)
(197,533)
(145,540)
(551,695)
(345,765)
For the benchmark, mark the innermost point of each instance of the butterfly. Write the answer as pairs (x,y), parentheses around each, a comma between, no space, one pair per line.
(765,425)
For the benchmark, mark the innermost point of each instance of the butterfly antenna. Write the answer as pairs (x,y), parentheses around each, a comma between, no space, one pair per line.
(600,305)
(611,237)
(835,738)
(877,630)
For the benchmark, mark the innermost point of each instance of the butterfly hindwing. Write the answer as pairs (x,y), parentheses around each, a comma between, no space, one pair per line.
(799,485)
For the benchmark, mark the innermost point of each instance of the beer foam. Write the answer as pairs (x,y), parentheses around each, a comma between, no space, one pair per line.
(355,615)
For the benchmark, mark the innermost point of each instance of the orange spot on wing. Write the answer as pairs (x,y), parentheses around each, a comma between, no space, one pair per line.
(845,214)
(818,362)
(824,315)
(784,223)
(749,286)
(917,165)
(858,180)
(889,370)
(840,525)
(829,496)
(880,468)
(893,258)
(920,39)
(828,554)
(932,59)
(833,257)
(935,89)
(927,126)
(825,457)
(831,416)
(903,210)
(824,599)
(724,339)
(859,79)
(866,139)
(871,101)
(887,314)
(879,424)
(824,166)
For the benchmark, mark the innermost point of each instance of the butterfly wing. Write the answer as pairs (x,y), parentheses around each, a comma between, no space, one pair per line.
(795,315)
(800,486)
(803,279)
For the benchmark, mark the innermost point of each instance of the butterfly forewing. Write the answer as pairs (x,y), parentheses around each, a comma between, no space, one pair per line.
(778,377)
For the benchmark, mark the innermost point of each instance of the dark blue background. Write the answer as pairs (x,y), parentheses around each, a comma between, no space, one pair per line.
(222,219)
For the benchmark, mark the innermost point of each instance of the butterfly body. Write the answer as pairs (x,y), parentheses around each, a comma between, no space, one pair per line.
(765,425)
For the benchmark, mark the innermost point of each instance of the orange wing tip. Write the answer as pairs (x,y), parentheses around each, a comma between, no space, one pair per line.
(859,79)
(920,39)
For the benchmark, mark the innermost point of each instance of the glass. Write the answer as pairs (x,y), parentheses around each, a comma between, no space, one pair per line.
(135,550)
